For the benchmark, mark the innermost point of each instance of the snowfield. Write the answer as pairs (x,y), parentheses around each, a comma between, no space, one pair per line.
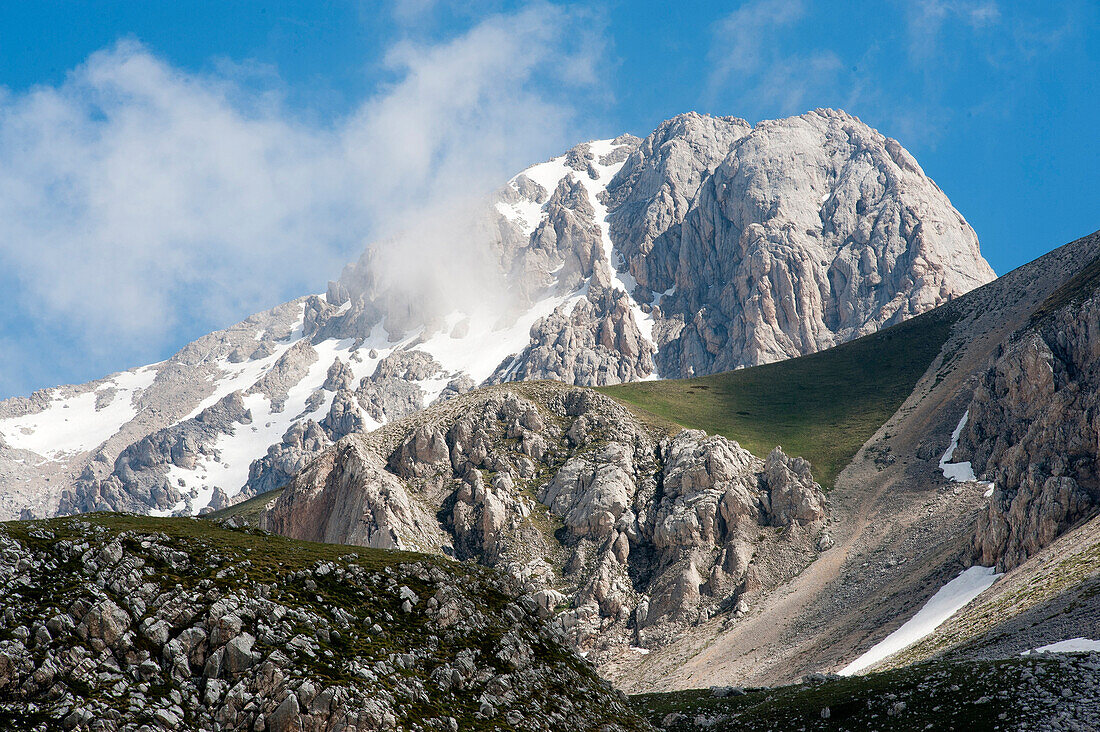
(962,472)
(1073,645)
(958,472)
(74,424)
(950,598)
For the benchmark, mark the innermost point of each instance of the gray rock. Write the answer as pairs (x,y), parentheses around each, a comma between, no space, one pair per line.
(652,528)
(1030,421)
(851,238)
(105,622)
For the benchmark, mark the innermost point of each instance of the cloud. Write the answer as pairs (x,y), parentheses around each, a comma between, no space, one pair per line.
(137,199)
(412,11)
(743,35)
(748,58)
(925,20)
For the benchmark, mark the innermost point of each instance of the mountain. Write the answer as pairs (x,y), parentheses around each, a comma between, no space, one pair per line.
(709,245)
(677,558)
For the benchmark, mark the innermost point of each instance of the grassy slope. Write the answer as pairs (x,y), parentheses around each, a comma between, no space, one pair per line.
(248,510)
(823,406)
(269,554)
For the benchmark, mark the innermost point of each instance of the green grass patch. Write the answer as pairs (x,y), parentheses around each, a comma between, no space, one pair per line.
(822,407)
(248,510)
(269,555)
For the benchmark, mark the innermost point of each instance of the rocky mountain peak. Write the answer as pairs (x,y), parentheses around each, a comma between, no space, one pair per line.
(708,245)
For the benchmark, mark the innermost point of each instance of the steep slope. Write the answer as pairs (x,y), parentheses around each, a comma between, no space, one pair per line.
(628,534)
(1024,694)
(124,623)
(710,244)
(1050,598)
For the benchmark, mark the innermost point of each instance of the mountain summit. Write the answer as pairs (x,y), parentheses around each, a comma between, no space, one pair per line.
(710,245)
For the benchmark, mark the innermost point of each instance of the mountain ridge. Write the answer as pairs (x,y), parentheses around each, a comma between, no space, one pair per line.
(575,246)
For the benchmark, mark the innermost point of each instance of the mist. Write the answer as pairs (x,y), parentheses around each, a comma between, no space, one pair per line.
(142,205)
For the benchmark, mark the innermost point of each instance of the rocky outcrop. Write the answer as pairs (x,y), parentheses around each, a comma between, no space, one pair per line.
(301,443)
(346,496)
(179,627)
(287,371)
(566,242)
(391,392)
(1032,429)
(632,533)
(595,342)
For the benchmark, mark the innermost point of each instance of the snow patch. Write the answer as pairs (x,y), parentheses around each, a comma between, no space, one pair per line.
(527,214)
(1073,645)
(72,424)
(249,442)
(487,342)
(240,376)
(958,472)
(950,598)
(620,274)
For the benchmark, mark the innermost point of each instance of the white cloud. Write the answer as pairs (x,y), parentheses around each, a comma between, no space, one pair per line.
(748,58)
(925,20)
(743,37)
(136,197)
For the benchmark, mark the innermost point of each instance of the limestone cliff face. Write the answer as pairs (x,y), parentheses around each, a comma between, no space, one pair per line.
(811,231)
(637,532)
(1034,429)
(346,496)
(656,189)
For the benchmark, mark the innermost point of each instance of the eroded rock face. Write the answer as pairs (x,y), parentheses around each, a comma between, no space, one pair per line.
(795,497)
(638,533)
(656,188)
(1032,429)
(346,496)
(595,342)
(301,443)
(389,393)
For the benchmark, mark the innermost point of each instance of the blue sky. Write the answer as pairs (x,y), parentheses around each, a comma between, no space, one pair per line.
(167,168)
